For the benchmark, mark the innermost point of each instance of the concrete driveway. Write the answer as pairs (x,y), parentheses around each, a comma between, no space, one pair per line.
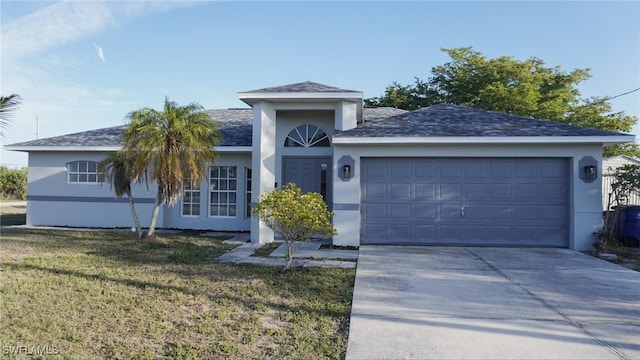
(492,303)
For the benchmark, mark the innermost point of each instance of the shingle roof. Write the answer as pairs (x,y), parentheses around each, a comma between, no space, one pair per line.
(234,126)
(301,87)
(457,121)
(439,120)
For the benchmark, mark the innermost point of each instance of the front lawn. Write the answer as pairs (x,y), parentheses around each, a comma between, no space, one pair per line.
(105,295)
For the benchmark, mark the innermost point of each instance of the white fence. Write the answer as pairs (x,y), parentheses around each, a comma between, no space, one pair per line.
(607,179)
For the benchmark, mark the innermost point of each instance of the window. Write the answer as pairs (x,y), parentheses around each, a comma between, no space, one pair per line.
(84,172)
(247,198)
(307,136)
(223,185)
(190,199)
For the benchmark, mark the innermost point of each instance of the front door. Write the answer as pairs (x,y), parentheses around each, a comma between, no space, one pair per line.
(311,174)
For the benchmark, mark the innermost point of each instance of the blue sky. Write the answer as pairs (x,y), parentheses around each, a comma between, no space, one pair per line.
(85,65)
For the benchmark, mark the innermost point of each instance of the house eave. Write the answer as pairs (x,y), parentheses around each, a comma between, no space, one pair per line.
(220,149)
(605,140)
(251,98)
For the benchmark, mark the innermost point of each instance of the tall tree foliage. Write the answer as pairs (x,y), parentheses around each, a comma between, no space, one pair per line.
(504,84)
(118,171)
(8,104)
(170,146)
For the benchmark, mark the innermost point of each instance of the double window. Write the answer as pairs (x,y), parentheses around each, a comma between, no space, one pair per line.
(223,184)
(190,199)
(84,172)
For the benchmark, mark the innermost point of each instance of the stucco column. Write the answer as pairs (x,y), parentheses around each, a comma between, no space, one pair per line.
(263,162)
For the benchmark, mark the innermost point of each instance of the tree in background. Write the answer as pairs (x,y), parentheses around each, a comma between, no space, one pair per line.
(294,216)
(503,84)
(13,183)
(168,147)
(118,171)
(8,104)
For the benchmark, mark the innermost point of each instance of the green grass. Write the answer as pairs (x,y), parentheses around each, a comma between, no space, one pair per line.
(266,249)
(13,219)
(107,295)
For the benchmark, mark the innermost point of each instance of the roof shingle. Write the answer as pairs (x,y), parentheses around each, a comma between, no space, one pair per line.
(446,120)
(301,87)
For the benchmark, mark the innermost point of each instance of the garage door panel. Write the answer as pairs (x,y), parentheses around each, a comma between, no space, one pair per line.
(375,211)
(401,191)
(400,211)
(425,232)
(425,191)
(448,233)
(526,170)
(450,170)
(483,201)
(500,191)
(376,191)
(498,213)
(500,170)
(401,170)
(425,170)
(475,170)
(450,191)
(527,191)
(402,232)
(553,192)
(476,192)
(425,211)
(474,213)
(473,233)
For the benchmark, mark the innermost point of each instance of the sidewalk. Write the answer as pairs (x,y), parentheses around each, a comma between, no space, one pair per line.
(306,255)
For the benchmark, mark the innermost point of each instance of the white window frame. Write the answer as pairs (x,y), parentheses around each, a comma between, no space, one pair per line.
(223,187)
(305,136)
(248,179)
(79,171)
(193,194)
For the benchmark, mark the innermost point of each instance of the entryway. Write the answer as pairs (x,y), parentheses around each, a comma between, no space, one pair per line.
(309,173)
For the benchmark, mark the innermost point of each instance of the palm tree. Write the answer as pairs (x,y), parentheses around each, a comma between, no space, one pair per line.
(117,169)
(8,104)
(170,146)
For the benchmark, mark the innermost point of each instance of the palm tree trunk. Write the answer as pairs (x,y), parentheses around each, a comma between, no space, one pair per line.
(134,215)
(154,215)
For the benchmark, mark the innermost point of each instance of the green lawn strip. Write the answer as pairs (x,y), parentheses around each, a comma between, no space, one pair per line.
(266,249)
(13,219)
(108,295)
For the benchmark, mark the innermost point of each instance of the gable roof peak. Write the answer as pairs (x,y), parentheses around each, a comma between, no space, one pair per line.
(302,87)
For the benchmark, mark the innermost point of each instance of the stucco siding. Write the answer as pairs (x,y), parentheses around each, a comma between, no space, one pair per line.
(52,200)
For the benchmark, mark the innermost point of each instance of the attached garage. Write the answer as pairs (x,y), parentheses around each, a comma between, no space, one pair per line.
(465,201)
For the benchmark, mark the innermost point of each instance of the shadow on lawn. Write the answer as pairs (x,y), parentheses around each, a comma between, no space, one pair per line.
(233,276)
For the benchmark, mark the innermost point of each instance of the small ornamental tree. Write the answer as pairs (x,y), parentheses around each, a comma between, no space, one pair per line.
(625,183)
(295,216)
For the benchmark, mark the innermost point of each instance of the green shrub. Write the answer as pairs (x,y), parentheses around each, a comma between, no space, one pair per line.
(13,183)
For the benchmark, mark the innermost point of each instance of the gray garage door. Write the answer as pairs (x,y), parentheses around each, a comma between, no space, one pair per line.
(492,201)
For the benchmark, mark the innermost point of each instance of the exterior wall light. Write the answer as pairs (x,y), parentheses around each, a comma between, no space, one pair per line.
(591,172)
(346,171)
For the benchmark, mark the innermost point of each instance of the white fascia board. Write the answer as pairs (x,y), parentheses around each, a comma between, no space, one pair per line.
(106,148)
(230,149)
(62,148)
(606,140)
(250,98)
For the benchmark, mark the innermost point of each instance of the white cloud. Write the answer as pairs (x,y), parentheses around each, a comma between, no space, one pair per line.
(100,52)
(67,21)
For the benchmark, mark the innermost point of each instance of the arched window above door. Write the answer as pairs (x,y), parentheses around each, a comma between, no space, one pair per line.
(307,136)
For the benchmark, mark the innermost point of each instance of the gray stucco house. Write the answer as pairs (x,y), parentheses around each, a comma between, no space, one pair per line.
(439,175)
